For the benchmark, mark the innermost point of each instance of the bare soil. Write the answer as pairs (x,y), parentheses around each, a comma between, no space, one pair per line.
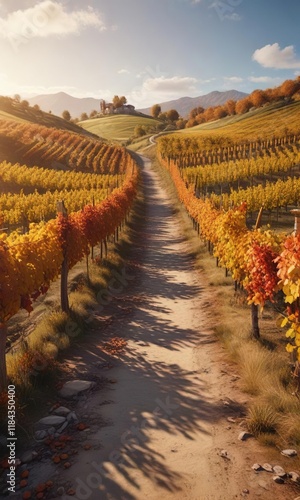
(166,419)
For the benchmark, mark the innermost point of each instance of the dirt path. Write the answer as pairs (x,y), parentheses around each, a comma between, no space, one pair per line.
(164,416)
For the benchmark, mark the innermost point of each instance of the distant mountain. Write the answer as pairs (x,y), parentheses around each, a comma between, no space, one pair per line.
(185,104)
(57,103)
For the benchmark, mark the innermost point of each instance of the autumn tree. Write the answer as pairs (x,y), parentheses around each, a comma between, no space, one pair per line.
(290,87)
(209,114)
(118,102)
(230,107)
(84,116)
(155,110)
(66,115)
(219,112)
(196,111)
(243,106)
(258,98)
(93,113)
(172,115)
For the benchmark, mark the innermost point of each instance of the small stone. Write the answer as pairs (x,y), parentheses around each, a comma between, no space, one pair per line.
(232,420)
(224,454)
(62,411)
(27,457)
(278,479)
(246,491)
(75,387)
(256,467)
(72,417)
(60,491)
(295,477)
(63,427)
(51,421)
(289,453)
(51,431)
(243,436)
(267,467)
(40,435)
(279,471)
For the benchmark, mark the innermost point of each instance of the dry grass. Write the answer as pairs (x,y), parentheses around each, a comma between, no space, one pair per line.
(264,366)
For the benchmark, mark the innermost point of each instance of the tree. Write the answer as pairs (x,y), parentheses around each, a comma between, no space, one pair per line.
(83,117)
(155,110)
(93,113)
(230,107)
(139,131)
(66,115)
(196,111)
(17,98)
(290,87)
(172,115)
(243,106)
(36,107)
(118,102)
(219,112)
(258,98)
(24,105)
(163,116)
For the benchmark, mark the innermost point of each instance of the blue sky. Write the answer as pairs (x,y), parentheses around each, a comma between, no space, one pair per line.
(148,50)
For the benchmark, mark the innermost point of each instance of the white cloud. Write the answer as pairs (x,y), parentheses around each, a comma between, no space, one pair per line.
(174,84)
(233,79)
(272,56)
(48,18)
(123,72)
(163,88)
(264,79)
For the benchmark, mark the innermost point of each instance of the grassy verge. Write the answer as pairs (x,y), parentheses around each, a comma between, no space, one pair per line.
(35,365)
(264,366)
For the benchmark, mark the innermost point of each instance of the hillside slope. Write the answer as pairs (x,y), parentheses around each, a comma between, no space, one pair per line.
(17,113)
(118,127)
(273,119)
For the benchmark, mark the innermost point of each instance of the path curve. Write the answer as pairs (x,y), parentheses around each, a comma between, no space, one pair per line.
(167,412)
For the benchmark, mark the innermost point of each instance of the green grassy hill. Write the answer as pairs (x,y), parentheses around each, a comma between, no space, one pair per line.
(274,119)
(119,127)
(15,112)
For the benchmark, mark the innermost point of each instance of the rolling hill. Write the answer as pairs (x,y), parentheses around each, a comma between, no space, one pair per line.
(118,127)
(272,119)
(185,104)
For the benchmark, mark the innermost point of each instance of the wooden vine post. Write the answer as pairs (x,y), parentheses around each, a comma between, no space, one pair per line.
(254,307)
(64,299)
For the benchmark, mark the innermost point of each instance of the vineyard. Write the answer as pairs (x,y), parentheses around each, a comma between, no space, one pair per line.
(71,195)
(263,262)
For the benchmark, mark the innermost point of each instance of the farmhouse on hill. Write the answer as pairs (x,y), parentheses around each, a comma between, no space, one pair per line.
(107,108)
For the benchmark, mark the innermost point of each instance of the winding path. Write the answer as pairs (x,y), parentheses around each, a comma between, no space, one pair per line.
(165,413)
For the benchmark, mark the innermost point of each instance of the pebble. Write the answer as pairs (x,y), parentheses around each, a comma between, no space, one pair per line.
(40,435)
(60,491)
(224,454)
(243,436)
(295,477)
(75,387)
(267,467)
(51,421)
(278,479)
(256,467)
(279,471)
(62,411)
(289,453)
